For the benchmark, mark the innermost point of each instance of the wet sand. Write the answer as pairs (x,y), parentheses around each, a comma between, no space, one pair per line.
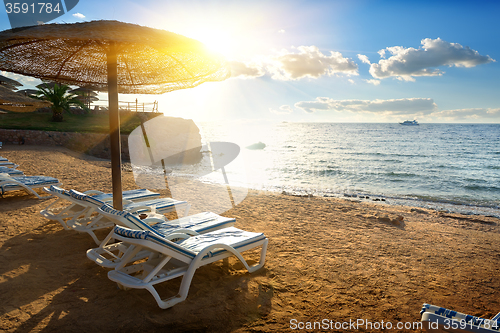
(328,259)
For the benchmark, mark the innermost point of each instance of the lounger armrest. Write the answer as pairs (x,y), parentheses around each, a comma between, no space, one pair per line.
(5,176)
(126,202)
(178,235)
(153,220)
(187,232)
(136,209)
(93,192)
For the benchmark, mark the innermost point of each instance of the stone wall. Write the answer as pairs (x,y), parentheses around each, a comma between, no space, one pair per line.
(98,144)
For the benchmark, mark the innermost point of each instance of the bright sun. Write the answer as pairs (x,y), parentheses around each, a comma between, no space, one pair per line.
(217,41)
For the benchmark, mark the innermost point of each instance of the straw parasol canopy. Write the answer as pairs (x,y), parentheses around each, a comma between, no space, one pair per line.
(14,101)
(9,83)
(150,61)
(47,84)
(28,92)
(86,95)
(112,55)
(84,91)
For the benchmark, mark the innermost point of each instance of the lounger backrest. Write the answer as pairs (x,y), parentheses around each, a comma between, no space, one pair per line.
(32,180)
(123,218)
(10,171)
(151,236)
(87,198)
(94,201)
(77,195)
(190,247)
(58,190)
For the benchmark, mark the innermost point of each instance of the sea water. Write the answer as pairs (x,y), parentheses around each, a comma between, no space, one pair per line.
(451,167)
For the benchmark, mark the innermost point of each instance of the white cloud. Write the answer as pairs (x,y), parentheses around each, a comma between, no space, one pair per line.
(405,63)
(374,82)
(281,31)
(467,114)
(245,70)
(310,62)
(284,109)
(404,106)
(79,15)
(364,59)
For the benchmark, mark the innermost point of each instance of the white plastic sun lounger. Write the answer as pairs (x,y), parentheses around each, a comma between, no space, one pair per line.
(89,223)
(109,253)
(438,319)
(27,183)
(169,260)
(11,171)
(8,164)
(59,211)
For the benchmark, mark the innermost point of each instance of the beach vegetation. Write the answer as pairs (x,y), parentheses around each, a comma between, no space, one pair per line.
(61,99)
(86,123)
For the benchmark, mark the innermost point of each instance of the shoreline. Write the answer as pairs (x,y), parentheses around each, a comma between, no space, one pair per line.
(437,204)
(380,162)
(328,258)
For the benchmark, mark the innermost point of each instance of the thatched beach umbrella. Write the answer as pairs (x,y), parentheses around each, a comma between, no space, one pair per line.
(86,90)
(86,94)
(9,83)
(119,57)
(14,101)
(47,84)
(28,92)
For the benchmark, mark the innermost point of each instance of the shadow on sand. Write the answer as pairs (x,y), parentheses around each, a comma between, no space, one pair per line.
(49,285)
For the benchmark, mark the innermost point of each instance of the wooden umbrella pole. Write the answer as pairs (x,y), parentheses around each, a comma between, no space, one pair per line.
(114,127)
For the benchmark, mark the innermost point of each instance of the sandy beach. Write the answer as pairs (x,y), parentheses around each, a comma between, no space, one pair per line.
(328,259)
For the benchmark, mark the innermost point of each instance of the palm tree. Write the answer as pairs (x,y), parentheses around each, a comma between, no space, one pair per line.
(60,98)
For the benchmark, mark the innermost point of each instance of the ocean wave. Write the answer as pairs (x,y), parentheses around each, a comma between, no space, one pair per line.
(442,160)
(482,188)
(400,174)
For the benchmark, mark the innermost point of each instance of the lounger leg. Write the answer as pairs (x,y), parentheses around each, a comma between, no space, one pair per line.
(94,237)
(57,217)
(106,240)
(32,191)
(60,216)
(262,260)
(71,212)
(183,290)
(90,230)
(127,256)
(188,276)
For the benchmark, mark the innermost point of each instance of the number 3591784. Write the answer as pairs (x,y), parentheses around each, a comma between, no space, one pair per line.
(25,8)
(462,324)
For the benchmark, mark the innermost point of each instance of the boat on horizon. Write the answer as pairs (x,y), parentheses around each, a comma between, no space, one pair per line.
(409,123)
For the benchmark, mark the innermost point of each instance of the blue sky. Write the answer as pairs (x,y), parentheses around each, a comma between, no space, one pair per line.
(336,61)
